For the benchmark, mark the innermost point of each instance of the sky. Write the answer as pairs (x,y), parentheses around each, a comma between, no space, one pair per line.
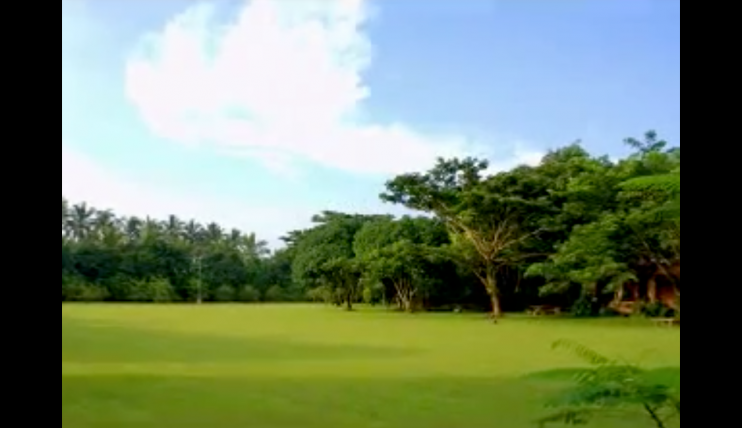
(259,114)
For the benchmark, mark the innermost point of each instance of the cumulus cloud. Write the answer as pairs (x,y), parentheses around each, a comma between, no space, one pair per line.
(87,180)
(282,82)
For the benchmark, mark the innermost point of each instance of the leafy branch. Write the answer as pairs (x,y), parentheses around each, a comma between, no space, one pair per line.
(611,385)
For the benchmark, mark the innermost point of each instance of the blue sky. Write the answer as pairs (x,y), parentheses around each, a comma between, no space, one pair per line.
(259,114)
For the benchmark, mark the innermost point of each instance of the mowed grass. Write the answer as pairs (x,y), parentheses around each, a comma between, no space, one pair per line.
(313,366)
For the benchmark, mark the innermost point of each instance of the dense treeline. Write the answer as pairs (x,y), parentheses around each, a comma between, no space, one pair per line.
(105,257)
(576,231)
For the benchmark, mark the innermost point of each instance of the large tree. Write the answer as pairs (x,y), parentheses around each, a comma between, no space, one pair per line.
(635,235)
(487,227)
(572,228)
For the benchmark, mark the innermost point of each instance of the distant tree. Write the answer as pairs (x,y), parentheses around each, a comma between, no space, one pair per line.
(401,253)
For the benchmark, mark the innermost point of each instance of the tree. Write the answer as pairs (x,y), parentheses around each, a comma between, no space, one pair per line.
(105,257)
(342,276)
(575,230)
(633,232)
(488,228)
(399,253)
(324,255)
(589,259)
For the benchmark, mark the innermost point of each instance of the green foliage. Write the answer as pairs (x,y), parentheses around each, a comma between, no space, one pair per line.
(640,227)
(156,290)
(662,185)
(572,231)
(275,294)
(373,294)
(225,293)
(106,258)
(656,310)
(76,290)
(248,294)
(492,225)
(586,307)
(320,294)
(589,259)
(612,385)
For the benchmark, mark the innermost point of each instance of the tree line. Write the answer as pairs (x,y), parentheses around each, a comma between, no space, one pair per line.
(576,231)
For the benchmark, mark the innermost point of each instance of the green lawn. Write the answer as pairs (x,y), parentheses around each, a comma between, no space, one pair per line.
(307,367)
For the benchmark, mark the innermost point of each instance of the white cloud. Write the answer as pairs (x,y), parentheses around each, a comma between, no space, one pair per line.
(282,82)
(85,180)
(520,154)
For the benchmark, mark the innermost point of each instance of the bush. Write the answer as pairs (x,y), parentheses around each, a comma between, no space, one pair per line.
(657,310)
(225,293)
(248,294)
(586,307)
(320,295)
(157,290)
(275,294)
(75,289)
(373,294)
(196,288)
(89,293)
(120,287)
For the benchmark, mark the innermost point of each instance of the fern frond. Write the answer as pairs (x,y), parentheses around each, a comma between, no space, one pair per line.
(587,354)
(611,385)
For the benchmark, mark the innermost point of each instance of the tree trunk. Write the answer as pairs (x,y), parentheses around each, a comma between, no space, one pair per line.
(652,290)
(409,306)
(496,307)
(405,296)
(493,290)
(409,297)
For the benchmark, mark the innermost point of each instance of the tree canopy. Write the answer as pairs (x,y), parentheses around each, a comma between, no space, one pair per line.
(572,231)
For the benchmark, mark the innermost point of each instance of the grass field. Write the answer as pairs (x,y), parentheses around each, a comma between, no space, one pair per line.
(307,367)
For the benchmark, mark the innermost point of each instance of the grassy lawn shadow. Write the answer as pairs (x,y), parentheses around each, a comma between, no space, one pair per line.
(90,343)
(155,401)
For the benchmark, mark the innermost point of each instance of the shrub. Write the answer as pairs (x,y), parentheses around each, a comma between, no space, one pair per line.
(121,287)
(656,310)
(373,294)
(75,289)
(156,290)
(320,294)
(586,307)
(195,289)
(275,294)
(89,293)
(248,294)
(225,294)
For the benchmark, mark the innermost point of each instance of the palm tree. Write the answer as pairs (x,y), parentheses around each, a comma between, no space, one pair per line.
(174,227)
